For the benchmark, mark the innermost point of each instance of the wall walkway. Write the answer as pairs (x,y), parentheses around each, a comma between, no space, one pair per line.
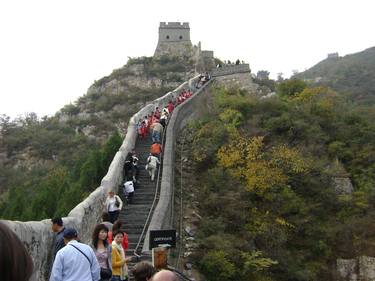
(231,69)
(191,109)
(37,235)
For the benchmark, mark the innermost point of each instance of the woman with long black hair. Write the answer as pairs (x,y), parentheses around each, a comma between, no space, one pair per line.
(103,251)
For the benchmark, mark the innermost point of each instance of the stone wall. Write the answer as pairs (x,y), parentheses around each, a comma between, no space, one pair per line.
(179,49)
(174,40)
(208,54)
(342,185)
(359,269)
(191,109)
(241,80)
(174,32)
(231,69)
(37,235)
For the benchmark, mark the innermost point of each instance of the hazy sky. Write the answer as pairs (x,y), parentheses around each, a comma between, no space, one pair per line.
(51,51)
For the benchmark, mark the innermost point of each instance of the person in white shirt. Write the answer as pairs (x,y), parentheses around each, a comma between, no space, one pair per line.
(152,164)
(76,261)
(113,205)
(164,117)
(129,190)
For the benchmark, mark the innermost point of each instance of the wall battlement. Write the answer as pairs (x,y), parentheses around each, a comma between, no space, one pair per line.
(174,39)
(174,32)
(231,69)
(333,55)
(184,25)
(207,54)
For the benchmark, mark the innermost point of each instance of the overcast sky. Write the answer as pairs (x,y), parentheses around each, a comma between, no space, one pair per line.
(52,51)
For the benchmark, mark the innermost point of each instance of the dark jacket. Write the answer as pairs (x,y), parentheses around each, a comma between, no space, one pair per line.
(59,243)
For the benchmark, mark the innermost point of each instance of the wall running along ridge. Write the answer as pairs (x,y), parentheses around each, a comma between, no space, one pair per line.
(38,237)
(231,69)
(191,109)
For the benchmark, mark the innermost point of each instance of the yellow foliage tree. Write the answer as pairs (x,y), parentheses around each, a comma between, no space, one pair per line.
(289,159)
(315,92)
(231,155)
(260,168)
(261,176)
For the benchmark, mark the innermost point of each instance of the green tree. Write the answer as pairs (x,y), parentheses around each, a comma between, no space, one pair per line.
(291,87)
(216,266)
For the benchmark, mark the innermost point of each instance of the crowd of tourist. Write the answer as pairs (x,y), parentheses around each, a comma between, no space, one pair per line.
(105,259)
(102,261)
(151,122)
(153,125)
(202,79)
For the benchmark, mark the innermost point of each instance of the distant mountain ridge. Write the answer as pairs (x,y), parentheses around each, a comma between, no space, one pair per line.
(352,74)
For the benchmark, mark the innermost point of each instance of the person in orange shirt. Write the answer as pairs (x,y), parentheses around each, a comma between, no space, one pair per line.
(156,149)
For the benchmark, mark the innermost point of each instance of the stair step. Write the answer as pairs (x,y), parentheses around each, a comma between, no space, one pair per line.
(134,215)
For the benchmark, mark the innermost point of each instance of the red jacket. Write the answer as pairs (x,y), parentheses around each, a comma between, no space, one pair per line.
(125,242)
(170,107)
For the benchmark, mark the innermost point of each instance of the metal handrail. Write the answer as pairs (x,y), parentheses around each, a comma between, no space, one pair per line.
(153,202)
(156,194)
(181,207)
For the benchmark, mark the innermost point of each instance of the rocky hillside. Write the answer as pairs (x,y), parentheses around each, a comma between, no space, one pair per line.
(352,74)
(110,101)
(32,149)
(278,188)
(105,108)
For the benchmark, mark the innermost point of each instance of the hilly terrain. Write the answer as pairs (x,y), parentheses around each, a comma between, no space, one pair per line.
(352,75)
(283,183)
(63,158)
(284,186)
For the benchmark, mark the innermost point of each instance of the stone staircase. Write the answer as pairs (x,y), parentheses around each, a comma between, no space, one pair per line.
(135,215)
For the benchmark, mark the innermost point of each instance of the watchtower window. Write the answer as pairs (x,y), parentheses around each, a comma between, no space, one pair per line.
(167,37)
(180,37)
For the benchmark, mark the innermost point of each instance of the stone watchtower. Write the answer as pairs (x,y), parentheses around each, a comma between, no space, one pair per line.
(174,40)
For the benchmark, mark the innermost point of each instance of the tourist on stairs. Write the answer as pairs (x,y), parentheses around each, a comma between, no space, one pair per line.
(152,164)
(103,251)
(113,206)
(119,266)
(129,190)
(117,226)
